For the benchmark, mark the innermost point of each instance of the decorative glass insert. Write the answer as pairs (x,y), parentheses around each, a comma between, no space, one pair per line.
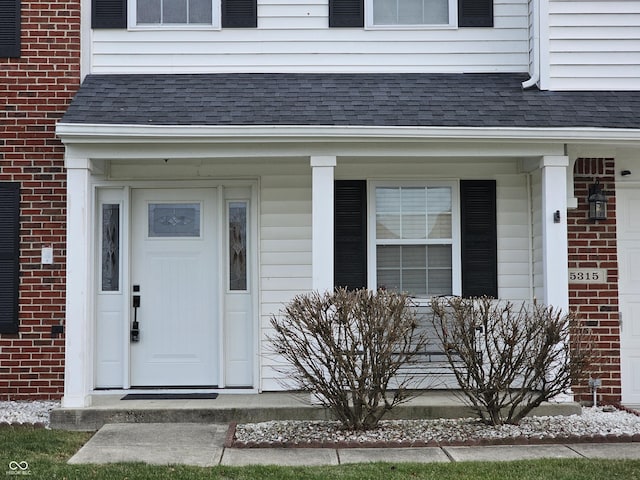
(174,220)
(110,247)
(410,12)
(414,239)
(238,245)
(174,12)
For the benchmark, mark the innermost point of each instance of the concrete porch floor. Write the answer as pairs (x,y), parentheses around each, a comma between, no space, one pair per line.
(249,408)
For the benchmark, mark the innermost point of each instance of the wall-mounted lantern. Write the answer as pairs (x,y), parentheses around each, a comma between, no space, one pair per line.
(597,202)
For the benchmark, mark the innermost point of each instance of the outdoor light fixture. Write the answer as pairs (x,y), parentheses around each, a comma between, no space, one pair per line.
(597,202)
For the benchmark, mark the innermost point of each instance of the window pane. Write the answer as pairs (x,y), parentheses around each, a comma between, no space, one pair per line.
(440,282)
(384,12)
(174,11)
(439,212)
(174,220)
(439,200)
(414,199)
(439,256)
(410,12)
(439,264)
(388,199)
(414,256)
(389,280)
(413,212)
(436,12)
(415,282)
(388,226)
(148,11)
(388,271)
(388,256)
(414,226)
(200,11)
(238,246)
(110,248)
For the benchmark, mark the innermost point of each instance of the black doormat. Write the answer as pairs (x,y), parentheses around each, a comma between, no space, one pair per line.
(170,396)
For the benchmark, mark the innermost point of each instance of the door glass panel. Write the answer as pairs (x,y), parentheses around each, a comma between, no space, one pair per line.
(174,220)
(110,247)
(238,245)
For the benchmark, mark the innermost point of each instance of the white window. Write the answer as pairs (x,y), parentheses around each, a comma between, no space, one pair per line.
(172,13)
(415,230)
(410,13)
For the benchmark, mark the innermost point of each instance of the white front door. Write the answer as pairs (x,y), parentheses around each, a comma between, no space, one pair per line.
(628,227)
(174,271)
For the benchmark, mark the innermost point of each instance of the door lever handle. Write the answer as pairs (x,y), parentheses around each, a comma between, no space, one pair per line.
(135,328)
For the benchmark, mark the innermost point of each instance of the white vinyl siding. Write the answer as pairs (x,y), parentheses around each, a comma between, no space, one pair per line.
(536,219)
(285,250)
(515,257)
(594,45)
(293,36)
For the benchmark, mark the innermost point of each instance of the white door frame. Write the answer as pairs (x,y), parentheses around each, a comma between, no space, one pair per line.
(126,246)
(626,370)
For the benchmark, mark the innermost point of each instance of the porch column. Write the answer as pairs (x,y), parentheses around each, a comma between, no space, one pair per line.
(78,346)
(322,222)
(555,256)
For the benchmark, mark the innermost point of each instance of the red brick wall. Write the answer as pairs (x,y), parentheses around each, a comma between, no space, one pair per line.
(35,90)
(592,244)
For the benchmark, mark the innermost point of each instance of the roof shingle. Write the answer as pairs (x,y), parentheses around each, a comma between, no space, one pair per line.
(444,100)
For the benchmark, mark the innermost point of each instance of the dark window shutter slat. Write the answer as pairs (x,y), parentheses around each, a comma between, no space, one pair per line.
(109,14)
(475,13)
(346,13)
(479,238)
(239,14)
(10,28)
(350,234)
(9,255)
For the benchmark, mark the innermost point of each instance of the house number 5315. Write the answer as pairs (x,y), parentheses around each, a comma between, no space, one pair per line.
(587,275)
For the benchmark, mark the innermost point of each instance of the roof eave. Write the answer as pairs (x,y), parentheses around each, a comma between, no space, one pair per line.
(75,133)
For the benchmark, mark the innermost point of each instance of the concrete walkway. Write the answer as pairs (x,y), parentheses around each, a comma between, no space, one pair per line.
(203,445)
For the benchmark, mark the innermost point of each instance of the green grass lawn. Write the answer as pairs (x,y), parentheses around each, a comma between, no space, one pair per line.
(46,452)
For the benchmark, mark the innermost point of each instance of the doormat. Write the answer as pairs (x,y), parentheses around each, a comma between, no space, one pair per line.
(170,396)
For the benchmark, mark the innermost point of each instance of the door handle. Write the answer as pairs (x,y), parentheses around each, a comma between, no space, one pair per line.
(135,327)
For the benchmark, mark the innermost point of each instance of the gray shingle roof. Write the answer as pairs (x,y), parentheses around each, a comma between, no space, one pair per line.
(448,100)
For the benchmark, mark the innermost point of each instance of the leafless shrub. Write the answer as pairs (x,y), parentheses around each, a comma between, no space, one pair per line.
(347,347)
(508,359)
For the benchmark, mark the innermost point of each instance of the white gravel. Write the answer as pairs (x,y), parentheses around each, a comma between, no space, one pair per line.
(592,422)
(26,412)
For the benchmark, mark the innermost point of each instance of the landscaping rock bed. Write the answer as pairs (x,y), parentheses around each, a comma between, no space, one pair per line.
(26,413)
(594,425)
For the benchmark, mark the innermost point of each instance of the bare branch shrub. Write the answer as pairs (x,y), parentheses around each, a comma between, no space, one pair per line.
(508,359)
(346,347)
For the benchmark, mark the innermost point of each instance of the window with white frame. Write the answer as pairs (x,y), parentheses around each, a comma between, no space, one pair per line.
(387,13)
(415,231)
(175,12)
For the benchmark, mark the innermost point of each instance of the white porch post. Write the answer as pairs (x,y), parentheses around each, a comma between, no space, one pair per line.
(555,255)
(78,345)
(322,168)
(555,244)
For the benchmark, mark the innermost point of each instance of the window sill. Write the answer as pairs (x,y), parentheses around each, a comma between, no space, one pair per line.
(410,27)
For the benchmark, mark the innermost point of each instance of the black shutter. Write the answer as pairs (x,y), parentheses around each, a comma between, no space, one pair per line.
(346,13)
(9,255)
(239,14)
(479,238)
(10,28)
(350,234)
(109,14)
(475,13)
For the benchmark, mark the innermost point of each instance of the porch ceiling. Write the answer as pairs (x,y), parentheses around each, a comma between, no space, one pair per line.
(468,101)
